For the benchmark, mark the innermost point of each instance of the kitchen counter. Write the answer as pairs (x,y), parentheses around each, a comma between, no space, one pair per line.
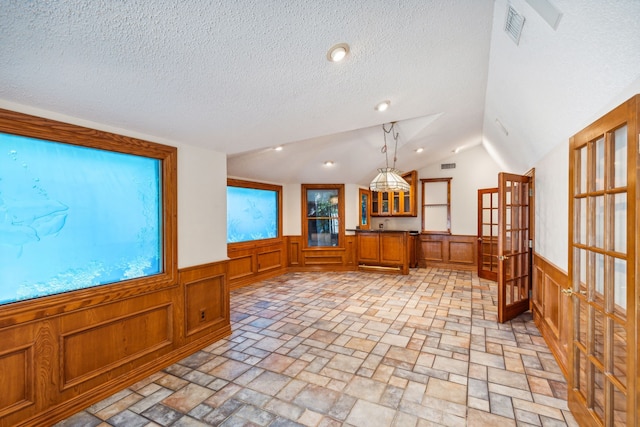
(385,230)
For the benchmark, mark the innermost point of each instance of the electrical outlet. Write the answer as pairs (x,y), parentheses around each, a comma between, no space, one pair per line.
(202,315)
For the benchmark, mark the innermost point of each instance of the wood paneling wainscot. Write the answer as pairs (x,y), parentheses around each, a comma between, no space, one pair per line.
(57,365)
(447,251)
(330,259)
(550,307)
(206,297)
(250,262)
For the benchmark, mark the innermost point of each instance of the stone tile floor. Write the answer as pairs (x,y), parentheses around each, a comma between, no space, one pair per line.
(355,349)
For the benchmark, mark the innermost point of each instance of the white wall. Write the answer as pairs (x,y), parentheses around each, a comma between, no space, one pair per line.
(291,215)
(352,206)
(552,186)
(202,206)
(551,210)
(202,191)
(474,169)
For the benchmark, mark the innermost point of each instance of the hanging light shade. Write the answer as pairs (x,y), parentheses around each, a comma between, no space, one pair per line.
(389,179)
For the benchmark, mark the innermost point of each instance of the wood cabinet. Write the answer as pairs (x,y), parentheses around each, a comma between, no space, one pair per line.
(398,203)
(384,251)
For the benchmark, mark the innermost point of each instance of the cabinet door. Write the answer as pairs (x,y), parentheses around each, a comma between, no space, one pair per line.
(375,203)
(393,248)
(368,244)
(407,201)
(397,196)
(384,203)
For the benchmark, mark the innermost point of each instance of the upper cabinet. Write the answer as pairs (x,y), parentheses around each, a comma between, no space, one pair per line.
(398,203)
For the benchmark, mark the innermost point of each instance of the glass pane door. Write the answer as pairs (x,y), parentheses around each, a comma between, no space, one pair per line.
(488,233)
(513,246)
(601,377)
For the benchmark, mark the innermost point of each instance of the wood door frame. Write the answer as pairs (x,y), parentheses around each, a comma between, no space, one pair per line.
(531,173)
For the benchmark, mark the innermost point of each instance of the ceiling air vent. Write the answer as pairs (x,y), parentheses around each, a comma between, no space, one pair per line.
(513,24)
(447,165)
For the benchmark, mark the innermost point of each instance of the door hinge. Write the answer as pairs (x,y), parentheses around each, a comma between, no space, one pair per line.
(530,192)
(530,243)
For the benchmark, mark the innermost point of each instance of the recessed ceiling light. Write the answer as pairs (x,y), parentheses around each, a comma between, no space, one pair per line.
(279,148)
(329,163)
(419,150)
(383,105)
(338,52)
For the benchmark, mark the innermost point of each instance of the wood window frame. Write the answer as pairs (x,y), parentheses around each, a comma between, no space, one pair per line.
(425,182)
(49,130)
(341,218)
(231,182)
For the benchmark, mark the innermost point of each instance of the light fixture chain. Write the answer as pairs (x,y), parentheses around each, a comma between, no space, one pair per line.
(395,150)
(385,149)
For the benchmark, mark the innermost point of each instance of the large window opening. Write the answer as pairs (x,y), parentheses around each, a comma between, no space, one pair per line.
(253,211)
(323,213)
(79,209)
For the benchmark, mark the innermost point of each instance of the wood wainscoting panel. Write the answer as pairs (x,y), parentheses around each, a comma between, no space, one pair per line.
(317,257)
(241,266)
(432,250)
(447,251)
(351,251)
(17,373)
(462,252)
(294,250)
(205,303)
(269,260)
(206,298)
(98,348)
(250,262)
(320,258)
(550,307)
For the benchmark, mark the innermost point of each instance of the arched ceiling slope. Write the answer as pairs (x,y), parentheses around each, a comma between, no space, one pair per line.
(244,76)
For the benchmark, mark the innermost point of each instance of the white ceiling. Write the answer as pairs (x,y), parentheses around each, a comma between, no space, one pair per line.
(243,76)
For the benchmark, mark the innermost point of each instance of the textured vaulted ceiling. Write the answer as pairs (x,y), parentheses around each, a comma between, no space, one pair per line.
(243,76)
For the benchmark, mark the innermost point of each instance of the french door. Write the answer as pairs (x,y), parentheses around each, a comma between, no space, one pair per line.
(488,234)
(514,261)
(603,218)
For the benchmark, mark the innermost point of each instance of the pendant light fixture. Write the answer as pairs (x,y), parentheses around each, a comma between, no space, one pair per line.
(388,178)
